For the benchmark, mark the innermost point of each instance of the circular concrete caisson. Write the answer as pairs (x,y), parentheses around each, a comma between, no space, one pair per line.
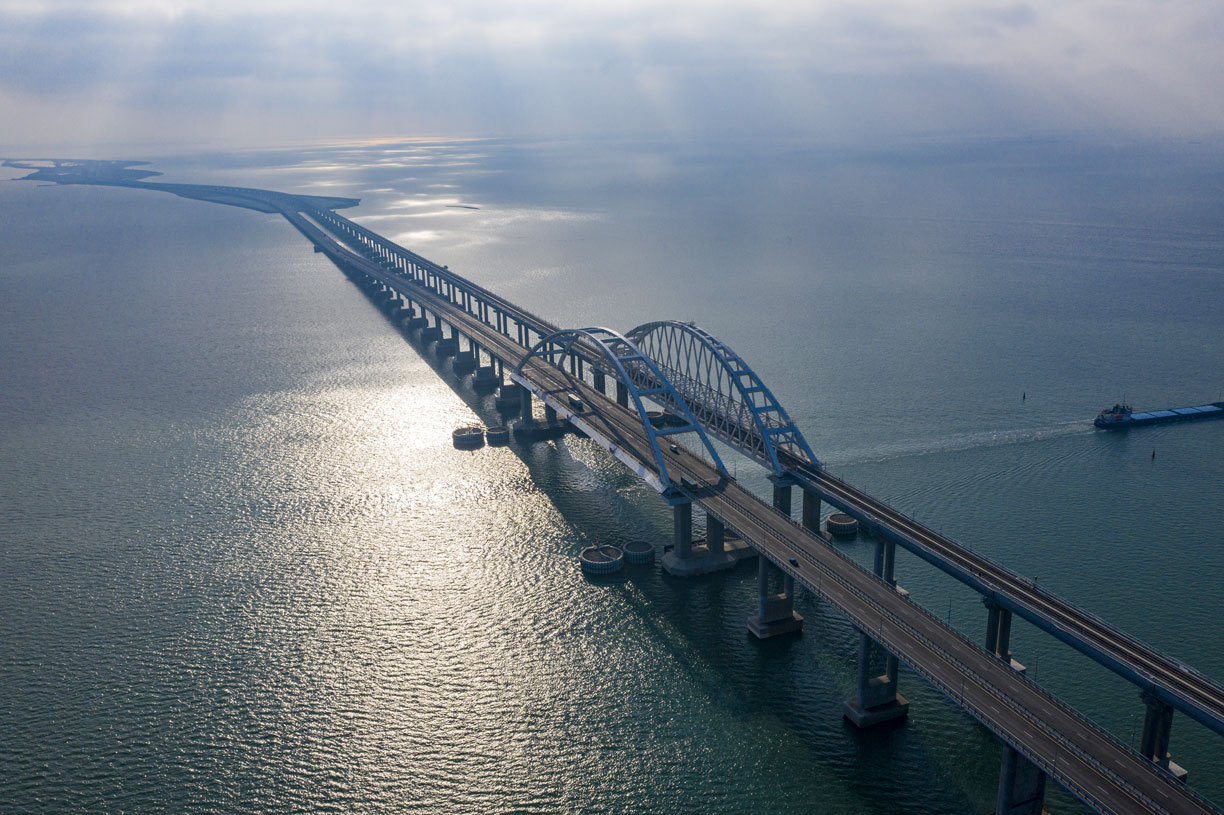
(601,559)
(841,525)
(468,438)
(639,552)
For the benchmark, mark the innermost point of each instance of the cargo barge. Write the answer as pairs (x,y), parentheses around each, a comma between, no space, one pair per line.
(1121,417)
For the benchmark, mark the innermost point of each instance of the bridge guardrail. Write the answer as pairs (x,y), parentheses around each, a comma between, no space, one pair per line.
(982,681)
(968,559)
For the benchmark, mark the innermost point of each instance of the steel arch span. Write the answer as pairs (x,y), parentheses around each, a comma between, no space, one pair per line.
(724,393)
(607,352)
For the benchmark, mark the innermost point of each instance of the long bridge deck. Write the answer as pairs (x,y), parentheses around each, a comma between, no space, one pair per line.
(1092,764)
(1089,762)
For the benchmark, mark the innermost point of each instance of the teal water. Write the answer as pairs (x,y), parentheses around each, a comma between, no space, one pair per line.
(244,570)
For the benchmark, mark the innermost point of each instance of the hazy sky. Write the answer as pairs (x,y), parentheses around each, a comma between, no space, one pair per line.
(113,72)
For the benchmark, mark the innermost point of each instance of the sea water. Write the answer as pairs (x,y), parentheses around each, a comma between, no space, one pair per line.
(244,569)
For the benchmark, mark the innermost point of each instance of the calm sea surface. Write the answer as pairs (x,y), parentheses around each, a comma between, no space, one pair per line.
(242,569)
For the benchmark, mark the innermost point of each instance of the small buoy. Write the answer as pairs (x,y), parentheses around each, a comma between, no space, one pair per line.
(1024,396)
(1153,452)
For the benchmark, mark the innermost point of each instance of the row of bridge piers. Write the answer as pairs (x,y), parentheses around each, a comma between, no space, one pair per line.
(448,341)
(1021,789)
(876,699)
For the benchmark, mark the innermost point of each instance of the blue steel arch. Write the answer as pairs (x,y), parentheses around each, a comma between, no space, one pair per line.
(725,394)
(616,355)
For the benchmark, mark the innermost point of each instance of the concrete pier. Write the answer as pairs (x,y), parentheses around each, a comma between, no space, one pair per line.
(449,346)
(782,494)
(886,561)
(431,333)
(1021,785)
(486,376)
(998,634)
(526,405)
(715,553)
(885,564)
(811,511)
(716,534)
(509,396)
(1157,728)
(682,529)
(775,608)
(876,700)
(527,428)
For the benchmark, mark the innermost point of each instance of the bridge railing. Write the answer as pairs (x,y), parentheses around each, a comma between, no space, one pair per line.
(987,571)
(880,634)
(536,323)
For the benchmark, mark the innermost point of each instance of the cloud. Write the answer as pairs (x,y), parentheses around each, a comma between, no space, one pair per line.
(268,71)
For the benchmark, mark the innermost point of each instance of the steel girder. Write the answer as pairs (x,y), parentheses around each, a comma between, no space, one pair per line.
(612,354)
(724,393)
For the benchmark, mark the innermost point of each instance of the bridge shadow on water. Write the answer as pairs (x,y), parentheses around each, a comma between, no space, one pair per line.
(796,682)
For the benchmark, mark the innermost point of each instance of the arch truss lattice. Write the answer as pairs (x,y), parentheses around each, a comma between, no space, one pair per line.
(724,393)
(582,352)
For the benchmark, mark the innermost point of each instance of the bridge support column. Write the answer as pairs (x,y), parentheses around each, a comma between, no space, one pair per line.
(449,346)
(1157,727)
(811,511)
(622,394)
(509,397)
(1021,785)
(885,560)
(431,333)
(600,381)
(716,534)
(466,361)
(686,558)
(998,634)
(876,700)
(775,610)
(526,406)
(486,377)
(782,494)
(682,530)
(885,563)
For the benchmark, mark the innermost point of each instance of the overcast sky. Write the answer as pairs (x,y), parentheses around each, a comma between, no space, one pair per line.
(114,72)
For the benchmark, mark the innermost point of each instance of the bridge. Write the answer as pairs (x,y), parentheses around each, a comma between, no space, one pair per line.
(611,387)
